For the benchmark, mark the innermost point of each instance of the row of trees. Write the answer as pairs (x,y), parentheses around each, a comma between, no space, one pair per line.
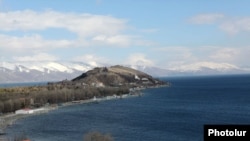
(12,105)
(12,101)
(66,95)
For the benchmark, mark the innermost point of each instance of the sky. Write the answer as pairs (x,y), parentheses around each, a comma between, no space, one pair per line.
(163,33)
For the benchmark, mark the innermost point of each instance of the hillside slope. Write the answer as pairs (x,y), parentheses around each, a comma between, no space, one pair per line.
(117,76)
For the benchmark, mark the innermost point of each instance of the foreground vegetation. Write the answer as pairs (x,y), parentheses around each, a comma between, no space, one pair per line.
(12,99)
(97,136)
(90,136)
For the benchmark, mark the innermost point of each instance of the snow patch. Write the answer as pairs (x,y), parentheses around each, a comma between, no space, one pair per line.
(58,67)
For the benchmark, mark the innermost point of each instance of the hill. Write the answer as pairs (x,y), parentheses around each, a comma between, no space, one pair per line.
(117,76)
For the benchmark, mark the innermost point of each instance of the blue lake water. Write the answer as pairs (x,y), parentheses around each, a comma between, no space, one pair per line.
(27,84)
(175,113)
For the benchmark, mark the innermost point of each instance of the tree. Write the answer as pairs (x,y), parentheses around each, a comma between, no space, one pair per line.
(97,136)
(21,137)
(8,106)
(1,107)
(17,104)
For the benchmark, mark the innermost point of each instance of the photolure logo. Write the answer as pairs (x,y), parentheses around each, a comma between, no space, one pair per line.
(226,132)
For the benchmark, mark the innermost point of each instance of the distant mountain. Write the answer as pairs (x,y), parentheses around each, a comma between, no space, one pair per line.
(154,71)
(198,68)
(56,71)
(40,71)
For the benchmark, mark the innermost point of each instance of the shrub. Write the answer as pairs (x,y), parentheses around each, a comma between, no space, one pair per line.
(97,136)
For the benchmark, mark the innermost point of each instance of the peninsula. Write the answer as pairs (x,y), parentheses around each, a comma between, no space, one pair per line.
(94,84)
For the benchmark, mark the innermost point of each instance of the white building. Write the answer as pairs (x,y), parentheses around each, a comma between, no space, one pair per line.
(30,111)
(144,79)
(24,111)
(137,77)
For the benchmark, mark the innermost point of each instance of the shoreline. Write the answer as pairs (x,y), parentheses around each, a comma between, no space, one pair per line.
(7,120)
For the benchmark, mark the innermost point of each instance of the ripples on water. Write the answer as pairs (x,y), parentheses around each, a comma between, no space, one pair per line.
(177,113)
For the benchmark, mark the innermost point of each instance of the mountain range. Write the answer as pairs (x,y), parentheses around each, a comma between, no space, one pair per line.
(56,71)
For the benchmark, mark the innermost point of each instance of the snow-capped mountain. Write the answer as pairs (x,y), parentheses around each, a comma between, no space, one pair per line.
(198,68)
(57,71)
(40,71)
(45,67)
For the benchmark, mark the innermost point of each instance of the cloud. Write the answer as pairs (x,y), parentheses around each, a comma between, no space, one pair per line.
(225,54)
(174,56)
(37,57)
(139,59)
(90,30)
(36,42)
(236,25)
(91,59)
(238,56)
(175,52)
(230,25)
(81,24)
(206,18)
(117,40)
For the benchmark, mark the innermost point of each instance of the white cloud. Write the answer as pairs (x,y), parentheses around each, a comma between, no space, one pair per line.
(238,55)
(225,54)
(174,57)
(206,18)
(175,52)
(90,30)
(91,59)
(230,25)
(13,44)
(82,24)
(197,58)
(117,40)
(236,25)
(139,59)
(37,57)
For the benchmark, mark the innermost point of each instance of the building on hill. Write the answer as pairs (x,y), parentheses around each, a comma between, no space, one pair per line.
(98,84)
(137,77)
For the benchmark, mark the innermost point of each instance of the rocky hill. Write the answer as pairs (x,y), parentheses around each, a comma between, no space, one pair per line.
(117,76)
